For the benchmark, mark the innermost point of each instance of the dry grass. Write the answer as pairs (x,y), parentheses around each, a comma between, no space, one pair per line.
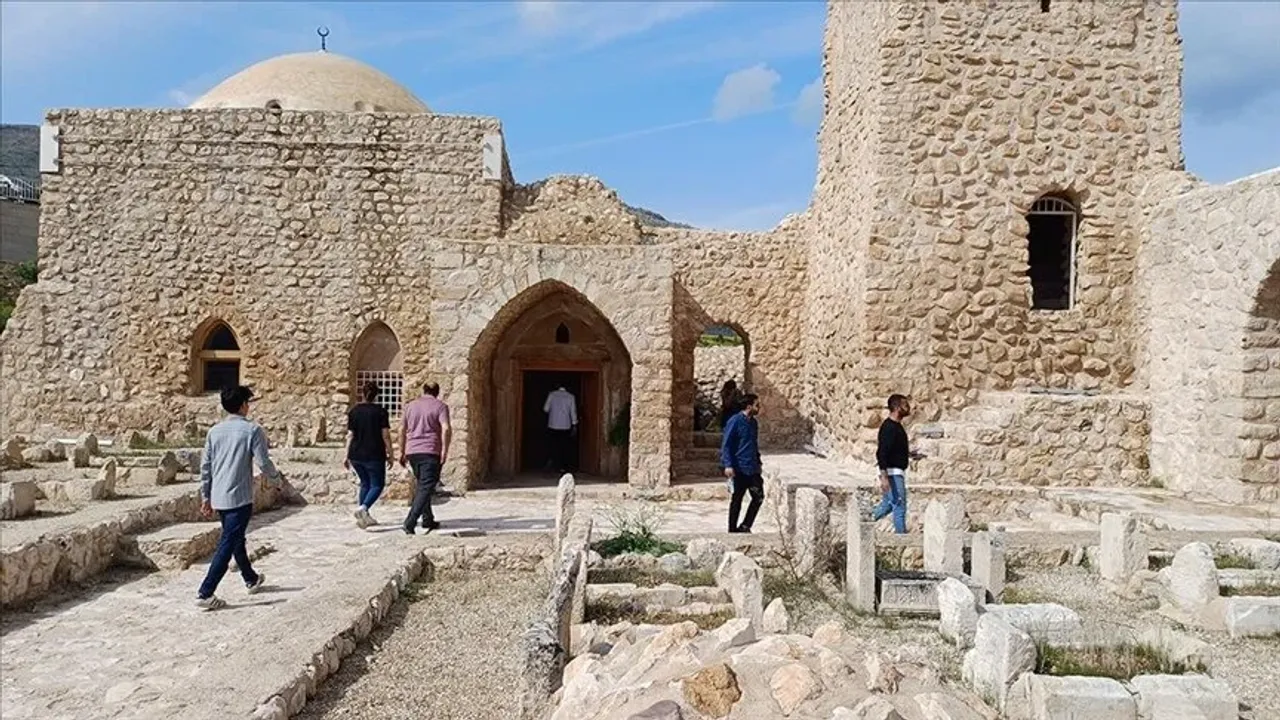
(1119,662)
(651,577)
(1256,590)
(609,612)
(1231,561)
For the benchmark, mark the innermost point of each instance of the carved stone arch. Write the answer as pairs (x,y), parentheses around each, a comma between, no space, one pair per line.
(216,357)
(378,357)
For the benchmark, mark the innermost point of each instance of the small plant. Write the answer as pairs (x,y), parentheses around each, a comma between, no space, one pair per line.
(610,612)
(28,272)
(1155,481)
(653,577)
(1255,590)
(6,312)
(1231,561)
(1020,596)
(1119,662)
(979,527)
(636,531)
(620,431)
(1160,562)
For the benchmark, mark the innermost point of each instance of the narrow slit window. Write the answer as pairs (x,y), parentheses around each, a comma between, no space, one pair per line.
(1051,253)
(562,334)
(218,361)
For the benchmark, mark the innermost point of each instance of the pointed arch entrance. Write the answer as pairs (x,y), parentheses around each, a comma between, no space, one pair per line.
(547,338)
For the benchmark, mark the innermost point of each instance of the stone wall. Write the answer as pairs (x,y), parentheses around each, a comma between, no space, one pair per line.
(712,367)
(945,122)
(297,229)
(1211,289)
(19,228)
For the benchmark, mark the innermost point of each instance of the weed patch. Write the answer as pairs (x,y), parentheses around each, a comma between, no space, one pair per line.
(1019,596)
(1231,561)
(1257,590)
(651,577)
(611,612)
(635,531)
(1119,662)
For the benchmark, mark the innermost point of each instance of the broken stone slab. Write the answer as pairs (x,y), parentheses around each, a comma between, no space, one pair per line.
(167,469)
(662,710)
(89,442)
(38,454)
(17,499)
(792,685)
(708,594)
(944,529)
(77,457)
(1193,578)
(775,620)
(871,708)
(1123,549)
(175,547)
(1079,697)
(1265,554)
(1000,654)
(987,558)
(675,563)
(743,579)
(705,553)
(732,633)
(1236,578)
(13,448)
(319,427)
(939,706)
(80,490)
(566,500)
(666,595)
(914,593)
(812,536)
(958,612)
(1246,616)
(1172,697)
(611,591)
(1178,646)
(108,472)
(1046,622)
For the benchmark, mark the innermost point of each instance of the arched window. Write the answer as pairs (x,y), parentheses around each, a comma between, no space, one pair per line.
(1051,253)
(376,358)
(218,360)
(562,334)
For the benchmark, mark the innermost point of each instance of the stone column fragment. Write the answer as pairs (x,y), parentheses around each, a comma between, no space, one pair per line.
(1123,548)
(944,536)
(812,542)
(566,500)
(988,564)
(860,564)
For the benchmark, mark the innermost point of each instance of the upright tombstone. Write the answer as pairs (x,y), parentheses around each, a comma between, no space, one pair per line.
(743,579)
(812,537)
(944,536)
(565,503)
(89,442)
(860,563)
(1123,550)
(319,427)
(988,564)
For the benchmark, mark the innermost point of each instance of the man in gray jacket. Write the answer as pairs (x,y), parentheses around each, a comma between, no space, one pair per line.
(226,485)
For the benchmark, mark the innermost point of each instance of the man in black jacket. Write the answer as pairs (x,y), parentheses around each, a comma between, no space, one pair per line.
(893,454)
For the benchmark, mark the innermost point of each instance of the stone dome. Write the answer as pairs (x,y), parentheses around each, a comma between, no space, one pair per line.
(311,81)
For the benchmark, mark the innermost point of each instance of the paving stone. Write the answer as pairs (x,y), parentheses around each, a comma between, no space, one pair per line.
(1080,697)
(1184,697)
(1047,622)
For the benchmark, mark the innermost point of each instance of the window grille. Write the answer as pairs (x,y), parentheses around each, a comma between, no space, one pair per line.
(390,388)
(1054,225)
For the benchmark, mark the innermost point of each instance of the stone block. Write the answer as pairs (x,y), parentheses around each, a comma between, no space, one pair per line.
(566,500)
(1181,697)
(17,499)
(110,472)
(177,547)
(12,449)
(1079,697)
(944,536)
(57,451)
(705,553)
(675,563)
(860,563)
(776,619)
(1265,554)
(940,706)
(1000,654)
(733,633)
(1046,622)
(319,427)
(1123,549)
(86,490)
(1178,646)
(1238,578)
(1246,616)
(1193,578)
(743,579)
(958,612)
(77,457)
(190,460)
(666,595)
(812,535)
(987,561)
(871,708)
(38,454)
(167,468)
(89,442)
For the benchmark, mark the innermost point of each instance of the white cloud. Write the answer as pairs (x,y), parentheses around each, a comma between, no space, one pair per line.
(809,105)
(539,16)
(591,24)
(746,91)
(1232,56)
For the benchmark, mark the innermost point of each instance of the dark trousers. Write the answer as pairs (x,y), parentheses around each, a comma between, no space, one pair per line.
(231,544)
(742,484)
(561,442)
(426,470)
(373,478)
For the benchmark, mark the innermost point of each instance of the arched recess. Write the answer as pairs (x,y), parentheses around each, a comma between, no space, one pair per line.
(376,357)
(216,357)
(1260,386)
(1053,224)
(514,363)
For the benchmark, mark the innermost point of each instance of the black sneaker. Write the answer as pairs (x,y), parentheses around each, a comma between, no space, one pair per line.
(409,530)
(429,526)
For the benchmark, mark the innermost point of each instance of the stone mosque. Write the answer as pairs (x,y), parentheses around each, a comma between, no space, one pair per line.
(1001,226)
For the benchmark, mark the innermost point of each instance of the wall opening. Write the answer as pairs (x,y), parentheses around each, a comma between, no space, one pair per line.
(376,357)
(1260,434)
(1044,6)
(720,374)
(218,359)
(1051,253)
(562,334)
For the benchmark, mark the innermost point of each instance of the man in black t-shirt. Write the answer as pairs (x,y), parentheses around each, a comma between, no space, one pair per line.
(368,450)
(893,455)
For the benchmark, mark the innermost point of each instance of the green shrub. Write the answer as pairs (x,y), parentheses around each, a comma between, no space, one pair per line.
(6,312)
(620,431)
(635,531)
(1256,590)
(1231,561)
(28,272)
(1119,662)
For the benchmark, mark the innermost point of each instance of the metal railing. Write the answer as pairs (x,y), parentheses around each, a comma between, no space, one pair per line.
(12,188)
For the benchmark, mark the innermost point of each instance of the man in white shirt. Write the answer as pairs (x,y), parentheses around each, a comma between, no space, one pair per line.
(562,425)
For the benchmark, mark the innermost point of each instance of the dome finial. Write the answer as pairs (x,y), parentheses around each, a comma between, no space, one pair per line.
(323,32)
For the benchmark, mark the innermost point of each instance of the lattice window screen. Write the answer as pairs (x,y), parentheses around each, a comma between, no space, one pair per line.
(390,388)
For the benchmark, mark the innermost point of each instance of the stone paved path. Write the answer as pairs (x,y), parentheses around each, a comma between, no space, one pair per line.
(142,650)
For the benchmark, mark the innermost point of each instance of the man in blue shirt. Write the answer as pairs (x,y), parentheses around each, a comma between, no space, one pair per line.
(740,457)
(226,485)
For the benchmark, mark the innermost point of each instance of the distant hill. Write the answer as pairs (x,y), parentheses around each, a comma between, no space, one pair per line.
(20,152)
(652,219)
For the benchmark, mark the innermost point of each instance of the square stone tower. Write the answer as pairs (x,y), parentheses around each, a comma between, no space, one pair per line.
(976,216)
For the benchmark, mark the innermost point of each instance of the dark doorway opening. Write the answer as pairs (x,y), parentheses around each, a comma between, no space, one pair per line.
(537,441)
(1050,259)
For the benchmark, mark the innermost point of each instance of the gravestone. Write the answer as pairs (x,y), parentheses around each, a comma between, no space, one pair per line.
(860,563)
(944,536)
(812,540)
(988,561)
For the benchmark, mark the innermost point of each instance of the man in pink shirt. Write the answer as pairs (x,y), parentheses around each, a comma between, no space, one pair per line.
(426,434)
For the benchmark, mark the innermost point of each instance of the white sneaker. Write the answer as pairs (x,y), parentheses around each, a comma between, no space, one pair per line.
(213,602)
(362,517)
(368,519)
(262,580)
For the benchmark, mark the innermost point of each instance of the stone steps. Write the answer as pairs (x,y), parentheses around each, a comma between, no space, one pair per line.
(707,439)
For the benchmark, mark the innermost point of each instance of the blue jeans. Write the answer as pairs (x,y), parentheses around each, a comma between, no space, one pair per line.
(231,544)
(373,478)
(895,501)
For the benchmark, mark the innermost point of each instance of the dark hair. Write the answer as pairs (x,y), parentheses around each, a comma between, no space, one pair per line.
(896,401)
(233,398)
(369,391)
(432,389)
(729,384)
(748,400)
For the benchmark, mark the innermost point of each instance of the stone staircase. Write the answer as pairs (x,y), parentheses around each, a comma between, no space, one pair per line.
(699,463)
(972,447)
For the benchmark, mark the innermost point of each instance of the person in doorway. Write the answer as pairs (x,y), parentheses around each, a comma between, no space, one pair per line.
(740,456)
(561,408)
(426,434)
(730,397)
(893,454)
(226,487)
(368,450)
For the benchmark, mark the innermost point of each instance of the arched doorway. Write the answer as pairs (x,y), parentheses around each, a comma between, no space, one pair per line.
(549,338)
(1260,433)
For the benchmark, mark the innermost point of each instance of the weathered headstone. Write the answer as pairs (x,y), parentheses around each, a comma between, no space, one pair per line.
(705,553)
(565,502)
(743,579)
(136,440)
(1001,653)
(78,457)
(13,448)
(1193,578)
(190,460)
(108,472)
(291,436)
(167,468)
(1123,549)
(860,564)
(191,430)
(89,442)
(944,536)
(57,451)
(319,427)
(17,499)
(958,612)
(988,561)
(812,539)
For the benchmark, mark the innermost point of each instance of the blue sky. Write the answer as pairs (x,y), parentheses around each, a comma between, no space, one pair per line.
(705,112)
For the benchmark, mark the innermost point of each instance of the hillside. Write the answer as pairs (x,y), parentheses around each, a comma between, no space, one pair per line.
(20,152)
